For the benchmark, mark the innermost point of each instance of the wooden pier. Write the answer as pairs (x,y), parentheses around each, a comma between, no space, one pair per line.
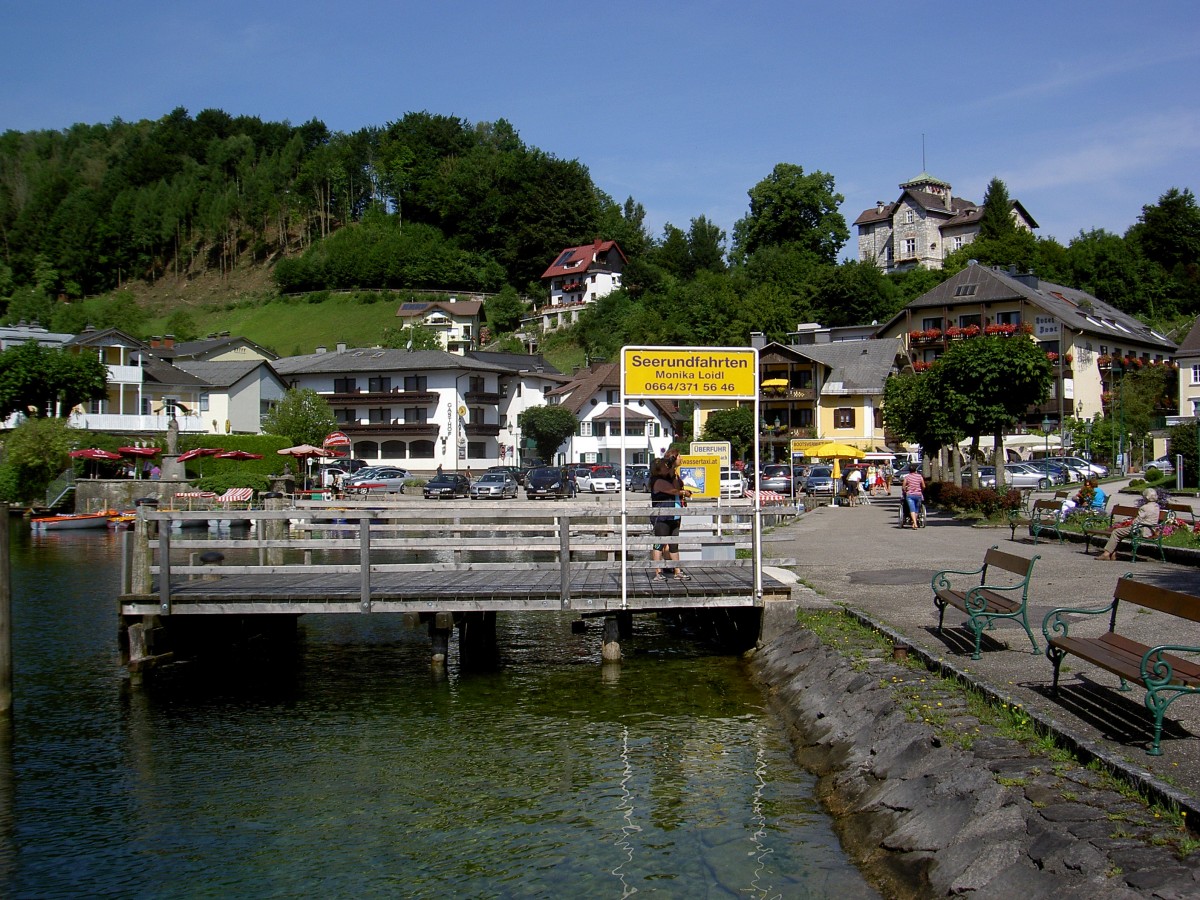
(440,564)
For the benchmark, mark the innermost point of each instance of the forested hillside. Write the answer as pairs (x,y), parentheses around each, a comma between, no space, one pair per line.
(432,201)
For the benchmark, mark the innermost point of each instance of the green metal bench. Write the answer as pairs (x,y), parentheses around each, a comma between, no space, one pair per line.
(988,601)
(1164,674)
(1102,526)
(1020,516)
(1047,517)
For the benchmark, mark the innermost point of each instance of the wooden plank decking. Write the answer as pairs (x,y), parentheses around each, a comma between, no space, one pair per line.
(364,562)
(592,587)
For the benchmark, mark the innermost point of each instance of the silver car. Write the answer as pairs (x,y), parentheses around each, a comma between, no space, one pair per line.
(1022,475)
(819,480)
(494,486)
(382,480)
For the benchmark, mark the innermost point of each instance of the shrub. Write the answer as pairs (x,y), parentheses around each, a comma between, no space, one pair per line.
(986,501)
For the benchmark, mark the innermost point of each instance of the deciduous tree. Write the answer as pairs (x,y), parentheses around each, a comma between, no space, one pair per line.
(790,207)
(302,416)
(547,427)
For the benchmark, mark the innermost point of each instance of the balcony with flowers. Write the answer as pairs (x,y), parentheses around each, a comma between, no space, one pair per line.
(1007,329)
(927,336)
(957,333)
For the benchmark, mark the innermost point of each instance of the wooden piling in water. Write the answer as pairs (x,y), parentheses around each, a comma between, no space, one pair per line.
(6,664)
(610,650)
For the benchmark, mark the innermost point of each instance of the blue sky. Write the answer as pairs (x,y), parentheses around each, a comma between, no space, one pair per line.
(1087,111)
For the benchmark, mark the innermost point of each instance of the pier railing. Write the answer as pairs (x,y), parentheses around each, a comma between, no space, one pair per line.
(372,542)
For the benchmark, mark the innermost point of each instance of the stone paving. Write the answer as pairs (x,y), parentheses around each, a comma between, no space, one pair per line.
(903,755)
(858,557)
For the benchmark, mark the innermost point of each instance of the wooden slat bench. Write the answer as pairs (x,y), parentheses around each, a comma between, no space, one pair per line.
(1102,526)
(1047,517)
(987,601)
(1183,513)
(1165,675)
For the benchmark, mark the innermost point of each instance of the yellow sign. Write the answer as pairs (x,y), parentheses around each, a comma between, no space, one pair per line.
(701,475)
(700,373)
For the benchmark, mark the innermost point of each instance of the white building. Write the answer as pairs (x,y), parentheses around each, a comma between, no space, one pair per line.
(577,277)
(425,408)
(594,396)
(455,322)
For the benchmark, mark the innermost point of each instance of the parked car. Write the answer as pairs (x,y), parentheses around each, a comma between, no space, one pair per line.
(494,486)
(987,476)
(777,477)
(382,480)
(639,479)
(732,484)
(1057,474)
(518,475)
(1081,465)
(447,485)
(1023,475)
(549,482)
(818,481)
(1164,464)
(598,480)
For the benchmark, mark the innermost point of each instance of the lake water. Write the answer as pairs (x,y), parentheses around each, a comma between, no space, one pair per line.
(343,767)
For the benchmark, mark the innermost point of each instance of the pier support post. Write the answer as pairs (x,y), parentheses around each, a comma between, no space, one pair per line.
(611,648)
(274,530)
(477,639)
(625,625)
(440,627)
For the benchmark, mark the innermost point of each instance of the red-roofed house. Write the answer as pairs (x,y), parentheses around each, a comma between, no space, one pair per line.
(579,276)
(923,226)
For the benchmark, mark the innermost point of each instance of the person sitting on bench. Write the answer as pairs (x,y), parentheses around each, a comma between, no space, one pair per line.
(1147,517)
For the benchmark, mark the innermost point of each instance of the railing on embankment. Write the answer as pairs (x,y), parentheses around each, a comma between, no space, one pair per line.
(427,556)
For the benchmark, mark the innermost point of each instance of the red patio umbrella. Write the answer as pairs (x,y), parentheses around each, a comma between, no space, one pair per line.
(199,452)
(237,454)
(305,452)
(94,454)
(140,452)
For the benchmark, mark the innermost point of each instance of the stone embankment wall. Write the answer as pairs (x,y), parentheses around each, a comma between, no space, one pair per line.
(93,494)
(926,817)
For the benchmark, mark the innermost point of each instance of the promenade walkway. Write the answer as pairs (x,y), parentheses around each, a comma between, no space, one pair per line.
(859,558)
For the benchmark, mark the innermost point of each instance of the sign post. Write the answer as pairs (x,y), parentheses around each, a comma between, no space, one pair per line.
(691,373)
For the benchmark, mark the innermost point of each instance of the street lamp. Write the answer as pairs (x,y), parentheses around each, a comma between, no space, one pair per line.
(1087,440)
(1047,424)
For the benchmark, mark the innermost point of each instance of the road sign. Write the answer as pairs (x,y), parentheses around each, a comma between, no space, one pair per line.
(700,373)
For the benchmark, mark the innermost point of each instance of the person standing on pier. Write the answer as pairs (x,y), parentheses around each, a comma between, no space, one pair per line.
(667,490)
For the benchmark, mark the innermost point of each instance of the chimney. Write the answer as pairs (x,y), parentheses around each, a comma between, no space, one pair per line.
(879,207)
(169,340)
(341,346)
(758,340)
(320,350)
(1028,279)
(155,341)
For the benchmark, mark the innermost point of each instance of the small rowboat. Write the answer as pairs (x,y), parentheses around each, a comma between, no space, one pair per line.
(69,521)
